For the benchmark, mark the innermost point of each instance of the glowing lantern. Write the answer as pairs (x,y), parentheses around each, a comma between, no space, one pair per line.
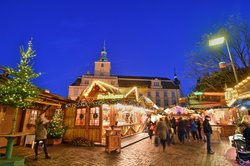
(222,65)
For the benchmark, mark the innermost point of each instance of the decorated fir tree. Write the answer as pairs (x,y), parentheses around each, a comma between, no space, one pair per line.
(17,89)
(56,127)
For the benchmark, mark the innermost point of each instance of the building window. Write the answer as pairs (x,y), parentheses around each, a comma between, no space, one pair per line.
(94,116)
(101,74)
(166,102)
(165,94)
(156,84)
(173,98)
(149,94)
(33,117)
(158,102)
(112,82)
(76,92)
(102,65)
(157,94)
(86,82)
(80,117)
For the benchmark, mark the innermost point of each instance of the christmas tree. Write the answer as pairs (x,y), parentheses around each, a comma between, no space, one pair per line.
(56,127)
(17,90)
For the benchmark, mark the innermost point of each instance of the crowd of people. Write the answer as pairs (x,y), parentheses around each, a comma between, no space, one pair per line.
(166,128)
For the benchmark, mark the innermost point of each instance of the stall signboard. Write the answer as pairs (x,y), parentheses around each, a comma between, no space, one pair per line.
(110,96)
(197,93)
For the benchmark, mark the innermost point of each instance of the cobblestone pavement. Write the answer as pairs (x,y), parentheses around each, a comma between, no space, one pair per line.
(142,153)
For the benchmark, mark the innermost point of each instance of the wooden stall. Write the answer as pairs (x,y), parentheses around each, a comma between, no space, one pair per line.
(83,121)
(101,106)
(46,102)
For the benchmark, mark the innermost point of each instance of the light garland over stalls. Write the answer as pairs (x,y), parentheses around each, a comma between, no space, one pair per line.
(100,84)
(242,83)
(112,95)
(101,102)
(234,90)
(136,93)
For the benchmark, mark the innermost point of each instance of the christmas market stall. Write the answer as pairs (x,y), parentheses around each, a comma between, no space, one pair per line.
(46,102)
(26,114)
(214,105)
(238,99)
(101,106)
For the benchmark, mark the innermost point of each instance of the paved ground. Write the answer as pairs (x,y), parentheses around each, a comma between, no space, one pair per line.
(142,153)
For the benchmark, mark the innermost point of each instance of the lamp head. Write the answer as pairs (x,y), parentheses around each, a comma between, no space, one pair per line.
(216,41)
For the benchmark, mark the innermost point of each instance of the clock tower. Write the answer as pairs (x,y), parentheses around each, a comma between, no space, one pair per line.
(103,66)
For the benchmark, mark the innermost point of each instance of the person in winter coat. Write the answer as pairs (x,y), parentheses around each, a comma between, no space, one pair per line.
(246,134)
(161,132)
(41,135)
(151,129)
(169,126)
(198,124)
(208,131)
(173,123)
(194,130)
(181,130)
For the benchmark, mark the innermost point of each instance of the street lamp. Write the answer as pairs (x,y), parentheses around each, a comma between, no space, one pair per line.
(221,40)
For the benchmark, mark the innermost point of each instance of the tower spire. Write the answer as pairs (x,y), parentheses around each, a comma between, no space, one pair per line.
(176,81)
(103,53)
(175,75)
(104,46)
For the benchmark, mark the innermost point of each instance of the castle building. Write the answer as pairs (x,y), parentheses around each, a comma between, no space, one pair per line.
(163,91)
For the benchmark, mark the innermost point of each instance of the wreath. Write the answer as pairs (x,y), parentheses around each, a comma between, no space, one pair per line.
(81,116)
(95,115)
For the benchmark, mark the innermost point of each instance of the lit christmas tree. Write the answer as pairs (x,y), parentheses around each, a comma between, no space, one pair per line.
(17,90)
(56,127)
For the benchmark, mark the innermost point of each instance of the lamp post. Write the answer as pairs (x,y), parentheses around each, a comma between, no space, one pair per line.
(221,40)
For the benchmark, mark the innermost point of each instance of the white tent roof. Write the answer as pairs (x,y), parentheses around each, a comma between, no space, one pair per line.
(178,110)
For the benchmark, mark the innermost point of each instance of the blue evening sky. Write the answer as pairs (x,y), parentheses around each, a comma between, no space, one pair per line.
(143,37)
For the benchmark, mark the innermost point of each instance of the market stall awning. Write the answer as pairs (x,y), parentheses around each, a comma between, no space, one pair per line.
(206,106)
(100,90)
(148,102)
(178,110)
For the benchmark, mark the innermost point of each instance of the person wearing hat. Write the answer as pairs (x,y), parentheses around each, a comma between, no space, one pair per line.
(208,131)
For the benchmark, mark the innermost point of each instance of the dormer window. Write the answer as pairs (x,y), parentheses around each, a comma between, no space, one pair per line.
(156,83)
(86,82)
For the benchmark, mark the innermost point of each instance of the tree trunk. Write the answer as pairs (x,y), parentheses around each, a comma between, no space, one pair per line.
(13,127)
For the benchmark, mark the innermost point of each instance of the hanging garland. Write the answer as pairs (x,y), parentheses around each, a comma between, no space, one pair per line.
(76,105)
(81,116)
(98,103)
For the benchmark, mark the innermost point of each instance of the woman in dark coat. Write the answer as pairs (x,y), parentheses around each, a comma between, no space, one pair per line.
(41,134)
